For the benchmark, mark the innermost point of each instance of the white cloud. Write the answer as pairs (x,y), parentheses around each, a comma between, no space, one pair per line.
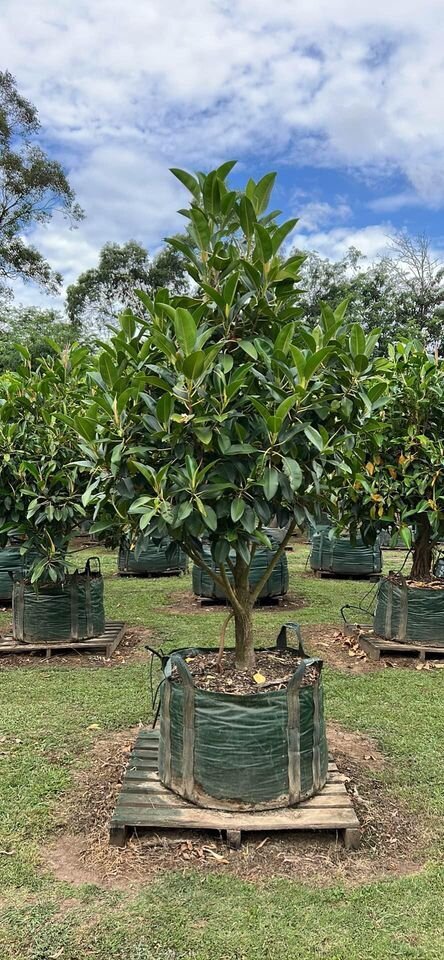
(125,90)
(372,241)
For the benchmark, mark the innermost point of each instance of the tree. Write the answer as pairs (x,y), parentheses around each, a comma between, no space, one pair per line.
(41,484)
(220,411)
(41,331)
(402,293)
(419,277)
(399,481)
(101,293)
(32,188)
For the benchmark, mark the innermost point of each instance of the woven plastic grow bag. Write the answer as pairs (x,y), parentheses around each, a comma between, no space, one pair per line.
(153,559)
(69,611)
(254,751)
(12,563)
(339,555)
(409,614)
(275,586)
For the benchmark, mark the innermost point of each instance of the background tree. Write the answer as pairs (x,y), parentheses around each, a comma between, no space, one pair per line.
(220,411)
(101,293)
(402,293)
(399,481)
(32,188)
(41,484)
(42,332)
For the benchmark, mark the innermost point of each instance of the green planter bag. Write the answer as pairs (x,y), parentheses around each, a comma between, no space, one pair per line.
(50,612)
(11,564)
(242,752)
(409,614)
(275,586)
(153,559)
(339,555)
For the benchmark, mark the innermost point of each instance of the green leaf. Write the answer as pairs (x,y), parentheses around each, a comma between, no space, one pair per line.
(186,331)
(249,348)
(293,471)
(220,551)
(406,535)
(271,482)
(357,340)
(210,518)
(285,407)
(201,228)
(284,338)
(281,233)
(187,179)
(263,192)
(247,216)
(225,169)
(264,245)
(194,364)
(164,408)
(184,511)
(314,436)
(237,509)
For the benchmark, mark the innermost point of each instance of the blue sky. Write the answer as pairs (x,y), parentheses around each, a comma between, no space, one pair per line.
(343,99)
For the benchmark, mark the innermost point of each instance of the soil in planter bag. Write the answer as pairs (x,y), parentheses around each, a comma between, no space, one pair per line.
(276,585)
(409,614)
(153,558)
(340,555)
(263,750)
(68,611)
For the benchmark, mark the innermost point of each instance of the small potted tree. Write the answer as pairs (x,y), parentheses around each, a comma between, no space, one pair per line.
(227,412)
(399,485)
(42,490)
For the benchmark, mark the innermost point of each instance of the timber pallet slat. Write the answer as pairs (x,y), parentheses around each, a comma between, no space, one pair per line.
(147,575)
(107,642)
(332,575)
(375,647)
(144,802)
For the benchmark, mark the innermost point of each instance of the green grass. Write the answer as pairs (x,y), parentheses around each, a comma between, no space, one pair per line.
(45,713)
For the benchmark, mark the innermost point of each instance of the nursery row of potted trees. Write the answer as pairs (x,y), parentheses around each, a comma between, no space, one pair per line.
(201,420)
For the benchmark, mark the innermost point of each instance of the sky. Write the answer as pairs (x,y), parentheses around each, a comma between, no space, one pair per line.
(343,99)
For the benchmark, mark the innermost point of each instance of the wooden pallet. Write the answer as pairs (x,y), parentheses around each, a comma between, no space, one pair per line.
(147,575)
(332,575)
(375,647)
(143,802)
(106,643)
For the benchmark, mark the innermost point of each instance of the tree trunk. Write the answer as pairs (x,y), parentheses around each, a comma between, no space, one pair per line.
(422,550)
(243,618)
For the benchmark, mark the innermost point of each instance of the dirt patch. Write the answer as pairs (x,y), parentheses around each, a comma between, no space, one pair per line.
(342,651)
(186,602)
(131,647)
(393,841)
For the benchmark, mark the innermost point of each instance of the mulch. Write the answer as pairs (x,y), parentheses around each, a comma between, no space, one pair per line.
(273,672)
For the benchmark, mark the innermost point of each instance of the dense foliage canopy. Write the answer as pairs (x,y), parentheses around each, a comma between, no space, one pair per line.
(399,480)
(41,485)
(219,411)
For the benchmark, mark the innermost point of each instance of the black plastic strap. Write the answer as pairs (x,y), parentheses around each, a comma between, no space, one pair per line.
(281,642)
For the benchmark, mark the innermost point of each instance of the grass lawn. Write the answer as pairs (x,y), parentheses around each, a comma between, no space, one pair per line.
(51,715)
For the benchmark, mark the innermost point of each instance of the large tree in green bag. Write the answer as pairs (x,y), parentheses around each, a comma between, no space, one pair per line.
(41,480)
(400,479)
(221,410)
